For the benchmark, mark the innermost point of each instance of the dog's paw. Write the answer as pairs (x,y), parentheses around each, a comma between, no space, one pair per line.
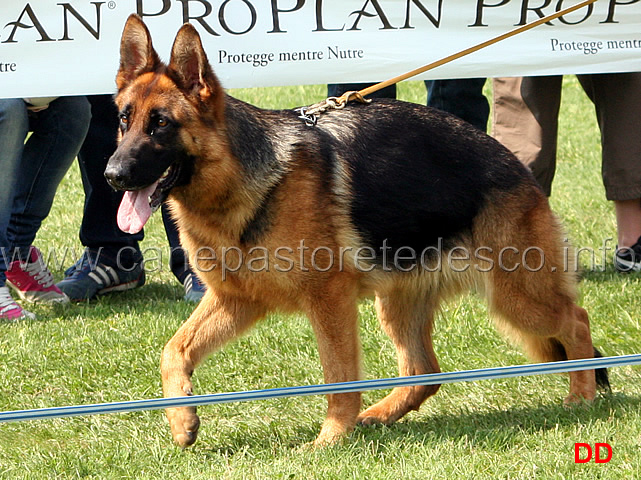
(368,421)
(332,433)
(184,425)
(574,400)
(326,440)
(375,416)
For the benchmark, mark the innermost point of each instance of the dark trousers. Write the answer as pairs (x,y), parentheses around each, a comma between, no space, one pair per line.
(461,97)
(99,229)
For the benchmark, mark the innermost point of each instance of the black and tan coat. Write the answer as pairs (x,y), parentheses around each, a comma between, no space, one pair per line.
(279,215)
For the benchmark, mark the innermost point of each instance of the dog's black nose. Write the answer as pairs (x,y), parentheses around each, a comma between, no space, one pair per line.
(114,177)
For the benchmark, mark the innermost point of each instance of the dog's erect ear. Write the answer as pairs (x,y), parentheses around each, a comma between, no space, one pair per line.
(190,67)
(137,55)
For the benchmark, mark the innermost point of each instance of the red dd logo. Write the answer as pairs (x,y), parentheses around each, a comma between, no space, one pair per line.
(583,453)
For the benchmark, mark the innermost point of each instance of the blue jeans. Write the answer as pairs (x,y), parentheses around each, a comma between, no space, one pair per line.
(31,171)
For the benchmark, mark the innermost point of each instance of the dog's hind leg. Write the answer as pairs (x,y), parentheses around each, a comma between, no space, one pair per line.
(407,318)
(548,323)
(532,285)
(215,321)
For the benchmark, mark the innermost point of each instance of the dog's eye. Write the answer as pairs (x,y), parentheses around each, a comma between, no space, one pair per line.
(124,118)
(158,122)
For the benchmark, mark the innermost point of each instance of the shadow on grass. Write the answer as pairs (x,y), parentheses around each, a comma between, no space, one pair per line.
(609,275)
(488,429)
(151,296)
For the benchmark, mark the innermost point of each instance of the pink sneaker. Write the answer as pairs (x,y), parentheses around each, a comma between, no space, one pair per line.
(33,281)
(9,309)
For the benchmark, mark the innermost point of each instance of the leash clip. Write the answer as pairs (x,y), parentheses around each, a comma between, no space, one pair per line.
(309,118)
(310,114)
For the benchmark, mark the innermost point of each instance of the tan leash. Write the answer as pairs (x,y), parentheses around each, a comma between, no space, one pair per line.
(309,114)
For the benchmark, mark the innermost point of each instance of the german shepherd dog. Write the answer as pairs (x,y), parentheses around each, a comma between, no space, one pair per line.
(390,199)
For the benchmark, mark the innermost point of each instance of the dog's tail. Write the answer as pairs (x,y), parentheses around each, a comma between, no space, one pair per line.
(602,378)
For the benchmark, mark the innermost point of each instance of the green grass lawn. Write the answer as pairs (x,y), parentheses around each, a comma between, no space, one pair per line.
(109,350)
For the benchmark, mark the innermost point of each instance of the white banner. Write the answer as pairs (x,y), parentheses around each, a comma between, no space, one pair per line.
(50,48)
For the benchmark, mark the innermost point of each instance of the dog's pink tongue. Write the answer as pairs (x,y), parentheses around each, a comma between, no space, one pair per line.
(134,210)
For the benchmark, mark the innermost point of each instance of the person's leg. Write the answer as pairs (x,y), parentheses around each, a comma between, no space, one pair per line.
(99,230)
(461,97)
(112,260)
(58,132)
(179,261)
(14,126)
(628,216)
(617,101)
(525,120)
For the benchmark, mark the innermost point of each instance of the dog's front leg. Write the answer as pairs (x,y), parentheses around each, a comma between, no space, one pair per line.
(215,321)
(335,322)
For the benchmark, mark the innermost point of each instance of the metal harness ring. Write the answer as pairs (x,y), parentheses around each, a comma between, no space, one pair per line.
(310,114)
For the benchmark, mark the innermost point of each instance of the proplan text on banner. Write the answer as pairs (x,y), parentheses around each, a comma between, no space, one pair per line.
(72,47)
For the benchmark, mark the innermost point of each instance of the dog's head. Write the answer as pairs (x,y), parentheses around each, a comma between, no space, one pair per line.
(162,110)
